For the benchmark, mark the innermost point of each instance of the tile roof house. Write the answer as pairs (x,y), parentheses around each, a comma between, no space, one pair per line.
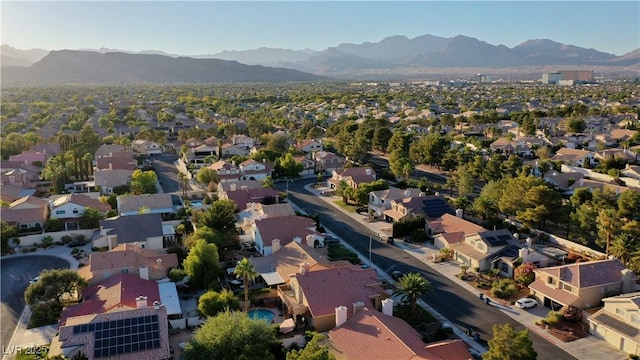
(266,230)
(582,284)
(574,157)
(353,176)
(11,193)
(226,186)
(327,162)
(128,258)
(137,334)
(107,180)
(478,250)
(449,229)
(430,207)
(308,165)
(117,161)
(618,322)
(70,208)
(146,147)
(391,338)
(254,211)
(106,150)
(51,149)
(28,212)
(226,171)
(290,259)
(160,203)
(380,200)
(308,146)
(242,195)
(255,170)
(318,293)
(562,181)
(29,157)
(145,229)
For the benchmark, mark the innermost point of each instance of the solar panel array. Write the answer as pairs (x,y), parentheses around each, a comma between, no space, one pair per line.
(435,208)
(117,337)
(621,326)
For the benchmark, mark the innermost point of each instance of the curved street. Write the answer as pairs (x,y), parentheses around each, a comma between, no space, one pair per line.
(460,307)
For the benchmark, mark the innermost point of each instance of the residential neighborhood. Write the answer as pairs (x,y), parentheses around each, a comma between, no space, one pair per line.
(369,219)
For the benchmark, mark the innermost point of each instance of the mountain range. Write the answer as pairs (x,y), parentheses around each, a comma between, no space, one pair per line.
(392,55)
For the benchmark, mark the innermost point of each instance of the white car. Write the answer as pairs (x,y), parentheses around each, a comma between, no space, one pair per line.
(526,303)
(34,280)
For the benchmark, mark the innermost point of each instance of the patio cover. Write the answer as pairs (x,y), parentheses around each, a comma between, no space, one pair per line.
(287,326)
(272,278)
(169,298)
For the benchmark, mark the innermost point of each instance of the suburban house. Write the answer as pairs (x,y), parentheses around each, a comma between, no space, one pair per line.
(149,232)
(255,211)
(107,150)
(562,181)
(380,200)
(116,161)
(308,146)
(131,259)
(160,203)
(449,229)
(146,147)
(51,149)
(11,193)
(229,150)
(26,213)
(575,157)
(70,207)
(226,171)
(243,141)
(255,170)
(327,162)
(316,294)
(582,284)
(196,155)
(478,250)
(618,322)
(290,259)
(269,234)
(308,165)
(391,338)
(506,146)
(108,180)
(31,157)
(243,195)
(352,176)
(20,175)
(430,207)
(88,334)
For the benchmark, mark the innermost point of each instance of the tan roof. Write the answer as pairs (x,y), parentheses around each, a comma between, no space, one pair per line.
(285,228)
(24,216)
(587,274)
(222,165)
(28,202)
(130,255)
(452,224)
(82,200)
(112,178)
(559,295)
(622,134)
(566,154)
(152,201)
(327,289)
(469,251)
(275,210)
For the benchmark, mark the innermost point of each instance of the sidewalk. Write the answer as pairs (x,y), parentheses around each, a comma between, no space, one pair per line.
(588,348)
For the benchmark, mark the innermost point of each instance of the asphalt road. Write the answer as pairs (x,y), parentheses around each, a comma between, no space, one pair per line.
(460,307)
(16,273)
(167,173)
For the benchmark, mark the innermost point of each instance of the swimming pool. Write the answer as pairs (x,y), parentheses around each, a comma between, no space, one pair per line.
(196,203)
(262,314)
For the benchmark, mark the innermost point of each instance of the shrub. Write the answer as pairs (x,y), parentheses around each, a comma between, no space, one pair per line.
(504,288)
(66,239)
(554,317)
(177,274)
(571,313)
(81,237)
(47,241)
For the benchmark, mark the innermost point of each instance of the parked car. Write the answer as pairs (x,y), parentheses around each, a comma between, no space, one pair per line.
(397,275)
(34,280)
(526,303)
(76,243)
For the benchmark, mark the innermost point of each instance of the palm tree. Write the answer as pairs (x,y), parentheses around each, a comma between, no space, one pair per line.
(608,223)
(341,189)
(183,178)
(623,246)
(248,272)
(411,287)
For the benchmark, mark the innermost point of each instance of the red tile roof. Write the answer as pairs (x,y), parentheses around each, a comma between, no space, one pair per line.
(450,224)
(327,289)
(244,196)
(587,274)
(113,294)
(285,228)
(129,255)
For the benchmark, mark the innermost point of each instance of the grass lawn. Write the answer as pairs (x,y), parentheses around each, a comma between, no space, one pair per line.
(339,252)
(349,208)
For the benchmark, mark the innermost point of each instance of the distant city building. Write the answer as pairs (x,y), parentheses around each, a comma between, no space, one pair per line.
(577,75)
(551,78)
(482,78)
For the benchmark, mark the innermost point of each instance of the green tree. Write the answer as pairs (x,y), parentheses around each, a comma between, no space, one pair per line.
(314,350)
(509,344)
(341,190)
(400,140)
(288,166)
(608,225)
(629,204)
(144,182)
(398,160)
(624,245)
(205,176)
(542,203)
(52,285)
(429,150)
(202,264)
(7,232)
(247,271)
(576,125)
(221,216)
(183,179)
(90,218)
(463,180)
(213,302)
(381,137)
(231,336)
(524,274)
(412,287)
(268,182)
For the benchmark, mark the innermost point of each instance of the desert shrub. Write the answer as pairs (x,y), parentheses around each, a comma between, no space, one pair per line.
(571,313)
(66,239)
(80,237)
(554,318)
(177,274)
(504,288)
(47,241)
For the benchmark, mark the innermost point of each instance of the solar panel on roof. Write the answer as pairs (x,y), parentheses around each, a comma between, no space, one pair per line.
(618,325)
(123,336)
(505,237)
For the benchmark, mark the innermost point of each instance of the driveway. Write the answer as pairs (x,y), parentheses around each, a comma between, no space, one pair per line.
(16,273)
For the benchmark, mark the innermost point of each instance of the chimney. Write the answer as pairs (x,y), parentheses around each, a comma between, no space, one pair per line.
(311,239)
(357,306)
(275,246)
(368,171)
(232,187)
(304,268)
(298,239)
(627,281)
(159,263)
(522,253)
(407,193)
(156,304)
(459,213)
(341,315)
(387,306)
(144,272)
(141,302)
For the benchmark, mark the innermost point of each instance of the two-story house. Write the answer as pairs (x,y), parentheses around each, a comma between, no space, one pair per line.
(380,200)
(429,207)
(146,147)
(308,165)
(582,284)
(308,146)
(618,322)
(477,250)
(352,176)
(149,232)
(108,180)
(269,234)
(575,157)
(71,207)
(327,162)
(26,213)
(243,141)
(226,171)
(255,170)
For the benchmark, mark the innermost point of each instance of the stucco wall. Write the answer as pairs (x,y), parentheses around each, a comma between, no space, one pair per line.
(31,240)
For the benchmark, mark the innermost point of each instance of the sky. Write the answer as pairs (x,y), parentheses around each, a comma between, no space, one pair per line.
(209,27)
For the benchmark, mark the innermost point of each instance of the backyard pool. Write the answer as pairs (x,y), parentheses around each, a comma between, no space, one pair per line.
(263,314)
(196,203)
